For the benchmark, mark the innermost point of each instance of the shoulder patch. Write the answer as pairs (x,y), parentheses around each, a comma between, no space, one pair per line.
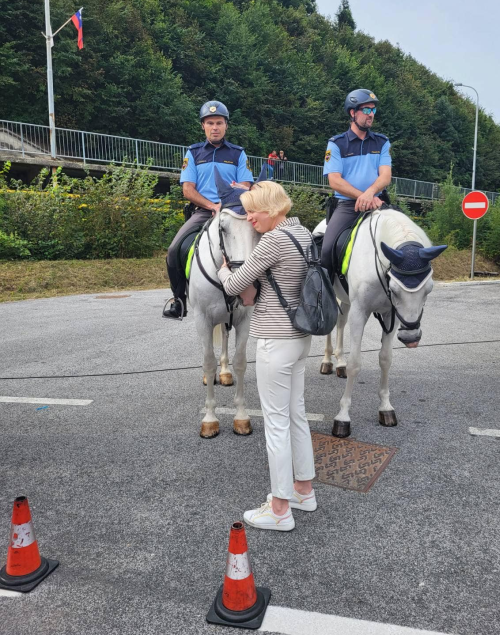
(328,155)
(185,163)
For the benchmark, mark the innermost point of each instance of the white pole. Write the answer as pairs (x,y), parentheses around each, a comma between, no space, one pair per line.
(50,85)
(474,231)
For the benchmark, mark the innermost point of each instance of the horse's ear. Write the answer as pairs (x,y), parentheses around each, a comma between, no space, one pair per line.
(223,188)
(429,253)
(396,256)
(263,173)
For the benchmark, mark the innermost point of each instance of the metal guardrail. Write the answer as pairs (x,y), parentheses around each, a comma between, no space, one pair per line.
(92,147)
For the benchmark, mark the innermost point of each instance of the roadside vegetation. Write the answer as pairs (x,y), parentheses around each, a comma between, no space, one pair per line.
(62,236)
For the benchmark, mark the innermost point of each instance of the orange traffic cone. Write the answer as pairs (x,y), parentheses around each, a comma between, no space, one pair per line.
(238,603)
(25,568)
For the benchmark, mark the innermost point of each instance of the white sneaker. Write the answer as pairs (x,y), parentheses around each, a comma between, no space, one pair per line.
(265,518)
(305,502)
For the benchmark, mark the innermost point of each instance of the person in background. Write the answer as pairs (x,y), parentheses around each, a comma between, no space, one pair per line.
(358,166)
(280,165)
(198,187)
(271,161)
(282,353)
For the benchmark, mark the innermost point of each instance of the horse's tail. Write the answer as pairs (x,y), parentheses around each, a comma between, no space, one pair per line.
(217,336)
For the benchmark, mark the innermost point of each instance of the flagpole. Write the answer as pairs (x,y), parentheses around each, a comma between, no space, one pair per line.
(50,85)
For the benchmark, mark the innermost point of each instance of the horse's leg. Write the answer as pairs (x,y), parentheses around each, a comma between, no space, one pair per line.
(339,345)
(342,422)
(225,377)
(241,424)
(326,363)
(386,414)
(210,423)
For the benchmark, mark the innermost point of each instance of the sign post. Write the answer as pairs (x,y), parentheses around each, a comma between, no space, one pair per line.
(475,205)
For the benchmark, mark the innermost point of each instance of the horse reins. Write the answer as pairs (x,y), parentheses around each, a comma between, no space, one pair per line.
(228,299)
(408,326)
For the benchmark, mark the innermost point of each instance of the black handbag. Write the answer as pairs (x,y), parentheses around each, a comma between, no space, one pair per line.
(317,311)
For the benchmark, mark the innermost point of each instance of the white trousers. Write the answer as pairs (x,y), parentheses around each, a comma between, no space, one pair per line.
(280,366)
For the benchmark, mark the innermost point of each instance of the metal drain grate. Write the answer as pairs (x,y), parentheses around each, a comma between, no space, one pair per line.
(348,463)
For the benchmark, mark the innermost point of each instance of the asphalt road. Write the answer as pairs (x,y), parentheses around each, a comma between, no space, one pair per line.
(137,507)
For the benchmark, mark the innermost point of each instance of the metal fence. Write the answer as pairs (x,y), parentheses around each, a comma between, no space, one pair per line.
(91,147)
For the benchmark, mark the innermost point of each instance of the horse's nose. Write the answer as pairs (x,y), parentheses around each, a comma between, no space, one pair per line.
(410,338)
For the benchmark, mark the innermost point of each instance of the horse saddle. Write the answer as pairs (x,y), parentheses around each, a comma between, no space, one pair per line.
(185,251)
(342,251)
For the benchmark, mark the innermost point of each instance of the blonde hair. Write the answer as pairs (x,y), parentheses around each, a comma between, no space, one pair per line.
(267,196)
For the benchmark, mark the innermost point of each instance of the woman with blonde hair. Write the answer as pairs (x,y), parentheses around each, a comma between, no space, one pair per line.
(281,353)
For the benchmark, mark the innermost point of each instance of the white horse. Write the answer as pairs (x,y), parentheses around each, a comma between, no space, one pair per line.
(229,234)
(389,275)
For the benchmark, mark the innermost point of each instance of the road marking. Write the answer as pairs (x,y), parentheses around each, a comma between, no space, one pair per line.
(55,402)
(258,413)
(484,432)
(293,622)
(9,594)
(474,205)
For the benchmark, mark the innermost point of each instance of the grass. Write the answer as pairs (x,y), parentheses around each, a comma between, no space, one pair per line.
(47,279)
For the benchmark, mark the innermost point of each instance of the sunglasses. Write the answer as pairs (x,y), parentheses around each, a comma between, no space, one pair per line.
(367,111)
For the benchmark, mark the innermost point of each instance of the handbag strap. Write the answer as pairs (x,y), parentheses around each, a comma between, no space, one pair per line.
(272,280)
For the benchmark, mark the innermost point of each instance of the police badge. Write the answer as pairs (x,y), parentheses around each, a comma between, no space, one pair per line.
(185,163)
(328,155)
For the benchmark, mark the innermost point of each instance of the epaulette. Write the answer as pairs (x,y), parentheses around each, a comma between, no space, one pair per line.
(338,136)
(232,145)
(196,145)
(379,134)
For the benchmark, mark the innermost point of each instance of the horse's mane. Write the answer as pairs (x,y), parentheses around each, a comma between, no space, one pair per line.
(396,228)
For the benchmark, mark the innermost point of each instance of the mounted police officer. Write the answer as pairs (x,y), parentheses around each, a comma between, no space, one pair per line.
(198,187)
(358,166)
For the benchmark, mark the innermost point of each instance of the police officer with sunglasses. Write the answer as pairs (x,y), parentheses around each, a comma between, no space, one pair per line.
(358,166)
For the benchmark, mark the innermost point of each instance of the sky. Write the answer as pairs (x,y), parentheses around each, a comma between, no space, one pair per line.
(459,40)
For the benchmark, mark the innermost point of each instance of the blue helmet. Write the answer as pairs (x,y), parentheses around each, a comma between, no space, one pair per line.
(212,109)
(358,97)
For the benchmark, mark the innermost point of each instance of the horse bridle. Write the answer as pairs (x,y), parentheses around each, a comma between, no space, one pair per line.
(406,325)
(230,300)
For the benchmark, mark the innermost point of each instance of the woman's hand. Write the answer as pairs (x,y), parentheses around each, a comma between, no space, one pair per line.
(239,186)
(224,263)
(248,295)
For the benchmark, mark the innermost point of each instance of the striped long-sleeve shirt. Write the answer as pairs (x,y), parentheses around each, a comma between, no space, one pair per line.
(276,251)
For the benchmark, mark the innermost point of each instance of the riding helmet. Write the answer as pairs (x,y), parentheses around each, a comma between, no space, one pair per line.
(358,97)
(212,109)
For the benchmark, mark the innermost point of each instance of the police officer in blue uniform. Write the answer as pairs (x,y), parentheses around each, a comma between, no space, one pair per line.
(198,187)
(358,166)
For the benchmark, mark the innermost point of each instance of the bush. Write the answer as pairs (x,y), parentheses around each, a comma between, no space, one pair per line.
(12,247)
(111,217)
(308,205)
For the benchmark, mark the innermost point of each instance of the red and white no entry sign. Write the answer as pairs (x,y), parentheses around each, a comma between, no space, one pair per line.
(475,204)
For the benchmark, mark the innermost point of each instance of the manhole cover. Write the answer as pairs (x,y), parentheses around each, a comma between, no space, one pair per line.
(110,297)
(349,463)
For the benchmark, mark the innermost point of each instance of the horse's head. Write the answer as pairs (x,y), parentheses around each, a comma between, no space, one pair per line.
(237,237)
(410,282)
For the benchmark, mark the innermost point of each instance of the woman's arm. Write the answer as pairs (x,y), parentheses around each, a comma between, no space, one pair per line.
(266,254)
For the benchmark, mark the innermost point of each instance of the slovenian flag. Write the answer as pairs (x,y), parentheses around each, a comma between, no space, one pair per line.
(77,21)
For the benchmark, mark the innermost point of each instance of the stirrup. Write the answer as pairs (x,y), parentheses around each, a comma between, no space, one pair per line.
(183,308)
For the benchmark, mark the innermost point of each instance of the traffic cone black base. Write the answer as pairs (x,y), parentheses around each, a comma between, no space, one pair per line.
(26,583)
(251,618)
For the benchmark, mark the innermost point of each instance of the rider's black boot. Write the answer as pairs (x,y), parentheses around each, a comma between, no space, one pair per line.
(176,310)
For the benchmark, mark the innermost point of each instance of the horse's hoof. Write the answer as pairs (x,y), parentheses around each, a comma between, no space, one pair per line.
(242,427)
(387,418)
(205,380)
(226,379)
(341,372)
(341,429)
(326,368)
(209,429)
